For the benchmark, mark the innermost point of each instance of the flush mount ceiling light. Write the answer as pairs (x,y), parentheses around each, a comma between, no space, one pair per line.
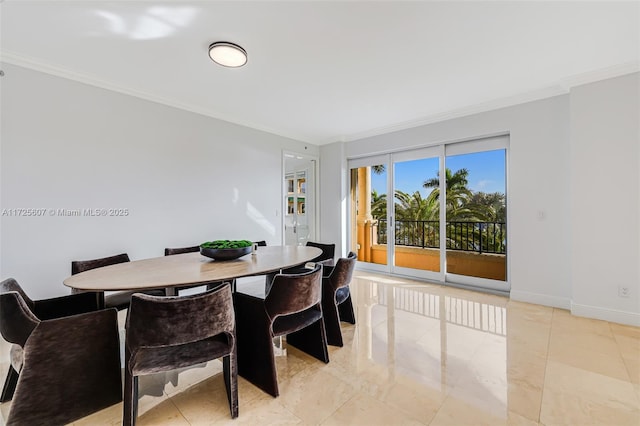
(227,54)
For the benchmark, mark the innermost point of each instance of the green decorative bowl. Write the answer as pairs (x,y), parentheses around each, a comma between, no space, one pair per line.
(225,253)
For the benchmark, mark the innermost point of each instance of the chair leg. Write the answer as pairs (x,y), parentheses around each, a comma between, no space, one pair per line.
(312,340)
(331,322)
(256,361)
(9,385)
(130,406)
(229,366)
(346,311)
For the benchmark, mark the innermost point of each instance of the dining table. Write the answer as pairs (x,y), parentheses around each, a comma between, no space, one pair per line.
(180,270)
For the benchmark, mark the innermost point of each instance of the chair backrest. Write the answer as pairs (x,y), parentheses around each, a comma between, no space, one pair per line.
(10,284)
(17,320)
(78,266)
(161,321)
(261,243)
(328,251)
(291,293)
(341,274)
(181,250)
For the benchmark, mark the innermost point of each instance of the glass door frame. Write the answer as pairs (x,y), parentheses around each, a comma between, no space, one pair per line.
(311,196)
(436,151)
(367,162)
(453,148)
(469,147)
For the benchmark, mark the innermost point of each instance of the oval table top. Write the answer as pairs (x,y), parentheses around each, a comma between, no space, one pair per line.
(189,268)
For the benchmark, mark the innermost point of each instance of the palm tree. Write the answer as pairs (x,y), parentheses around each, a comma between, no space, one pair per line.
(378,205)
(414,207)
(492,205)
(378,169)
(458,195)
(416,220)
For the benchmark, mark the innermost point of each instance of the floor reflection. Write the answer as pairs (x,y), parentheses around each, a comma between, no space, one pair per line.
(423,354)
(428,335)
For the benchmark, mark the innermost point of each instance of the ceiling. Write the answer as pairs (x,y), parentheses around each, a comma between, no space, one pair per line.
(327,71)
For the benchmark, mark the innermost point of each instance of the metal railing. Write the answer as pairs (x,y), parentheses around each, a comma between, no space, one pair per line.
(480,237)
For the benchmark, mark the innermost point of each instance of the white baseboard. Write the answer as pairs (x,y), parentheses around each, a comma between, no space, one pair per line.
(540,299)
(611,315)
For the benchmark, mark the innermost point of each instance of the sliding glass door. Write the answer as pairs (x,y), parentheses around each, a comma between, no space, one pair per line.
(446,219)
(368,208)
(415,247)
(476,213)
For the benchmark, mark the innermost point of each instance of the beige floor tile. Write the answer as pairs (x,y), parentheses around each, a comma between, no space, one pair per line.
(526,369)
(363,409)
(414,399)
(151,410)
(630,350)
(433,363)
(458,412)
(633,369)
(629,345)
(524,400)
(313,395)
(530,339)
(515,419)
(561,408)
(576,396)
(205,402)
(625,330)
(268,412)
(165,413)
(564,320)
(589,345)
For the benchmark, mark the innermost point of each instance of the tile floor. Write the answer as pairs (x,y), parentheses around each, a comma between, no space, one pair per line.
(424,354)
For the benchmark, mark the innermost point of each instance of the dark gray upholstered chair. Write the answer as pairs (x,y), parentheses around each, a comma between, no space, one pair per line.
(181,250)
(65,357)
(328,253)
(325,258)
(336,298)
(119,299)
(292,308)
(168,333)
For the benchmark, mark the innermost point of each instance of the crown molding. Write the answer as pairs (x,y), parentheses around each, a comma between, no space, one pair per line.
(563,87)
(602,74)
(535,95)
(58,71)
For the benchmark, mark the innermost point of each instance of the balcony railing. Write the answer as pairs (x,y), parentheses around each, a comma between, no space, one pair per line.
(480,237)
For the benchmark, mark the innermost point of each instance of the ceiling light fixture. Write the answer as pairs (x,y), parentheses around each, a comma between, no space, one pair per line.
(227,54)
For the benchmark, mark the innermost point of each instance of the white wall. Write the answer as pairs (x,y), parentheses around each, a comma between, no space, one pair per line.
(538,180)
(184,178)
(573,193)
(333,196)
(605,189)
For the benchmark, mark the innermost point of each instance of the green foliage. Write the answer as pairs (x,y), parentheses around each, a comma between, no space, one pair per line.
(226,244)
(378,205)
(462,203)
(492,205)
(414,207)
(378,169)
(420,215)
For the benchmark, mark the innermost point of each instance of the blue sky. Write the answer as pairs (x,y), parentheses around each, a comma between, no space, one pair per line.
(486,172)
